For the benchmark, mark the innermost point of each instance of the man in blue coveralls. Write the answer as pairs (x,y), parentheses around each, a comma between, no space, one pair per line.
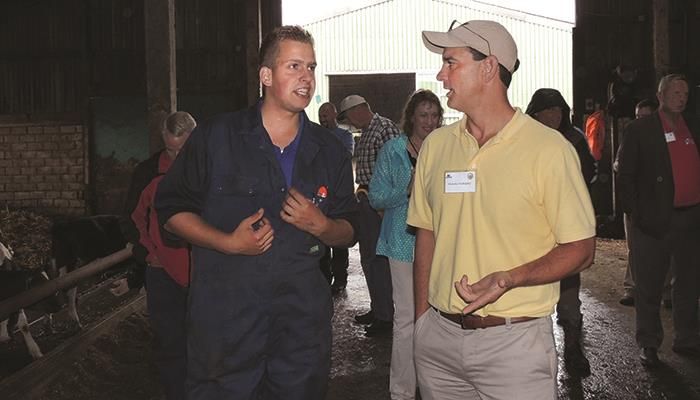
(257,193)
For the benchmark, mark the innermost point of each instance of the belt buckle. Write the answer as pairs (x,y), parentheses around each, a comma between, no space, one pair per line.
(475,322)
(462,319)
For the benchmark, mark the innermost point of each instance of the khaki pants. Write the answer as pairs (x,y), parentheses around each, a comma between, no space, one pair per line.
(402,373)
(514,361)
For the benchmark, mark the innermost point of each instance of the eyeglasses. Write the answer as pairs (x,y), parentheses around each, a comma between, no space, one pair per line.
(464,25)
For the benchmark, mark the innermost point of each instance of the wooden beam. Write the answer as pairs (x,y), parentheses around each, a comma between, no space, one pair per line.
(31,381)
(662,48)
(262,16)
(271,15)
(159,17)
(66,281)
(252,36)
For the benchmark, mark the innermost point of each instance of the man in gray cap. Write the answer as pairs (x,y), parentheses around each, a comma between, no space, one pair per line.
(376,130)
(502,213)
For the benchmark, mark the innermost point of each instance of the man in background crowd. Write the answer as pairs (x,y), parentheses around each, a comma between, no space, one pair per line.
(659,181)
(376,130)
(334,262)
(549,107)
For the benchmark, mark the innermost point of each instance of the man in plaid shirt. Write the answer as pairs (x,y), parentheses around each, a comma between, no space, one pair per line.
(376,130)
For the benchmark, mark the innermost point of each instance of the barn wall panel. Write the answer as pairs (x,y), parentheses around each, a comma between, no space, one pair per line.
(42,167)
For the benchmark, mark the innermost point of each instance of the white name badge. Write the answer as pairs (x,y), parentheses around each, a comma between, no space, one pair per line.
(670,137)
(460,182)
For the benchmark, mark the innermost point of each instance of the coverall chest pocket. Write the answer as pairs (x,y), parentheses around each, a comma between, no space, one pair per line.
(232,198)
(318,192)
(235,185)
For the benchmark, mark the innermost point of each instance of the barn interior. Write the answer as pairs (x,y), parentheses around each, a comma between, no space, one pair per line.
(85,84)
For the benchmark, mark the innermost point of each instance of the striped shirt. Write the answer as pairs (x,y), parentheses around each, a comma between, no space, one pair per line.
(379,131)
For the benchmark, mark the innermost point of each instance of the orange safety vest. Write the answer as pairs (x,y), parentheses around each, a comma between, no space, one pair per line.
(595,133)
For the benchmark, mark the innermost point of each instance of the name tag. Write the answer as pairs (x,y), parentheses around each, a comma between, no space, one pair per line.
(460,182)
(670,137)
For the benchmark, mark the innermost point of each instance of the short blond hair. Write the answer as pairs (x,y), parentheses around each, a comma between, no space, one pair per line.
(270,46)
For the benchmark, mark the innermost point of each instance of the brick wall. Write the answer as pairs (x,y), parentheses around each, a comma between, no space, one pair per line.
(42,167)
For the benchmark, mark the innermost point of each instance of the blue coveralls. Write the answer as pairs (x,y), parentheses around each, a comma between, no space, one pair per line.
(259,327)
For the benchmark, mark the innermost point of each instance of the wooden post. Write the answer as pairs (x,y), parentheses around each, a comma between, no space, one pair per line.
(262,16)
(252,44)
(159,17)
(271,15)
(662,49)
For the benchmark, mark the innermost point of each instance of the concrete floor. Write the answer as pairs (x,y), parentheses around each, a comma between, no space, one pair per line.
(120,366)
(361,365)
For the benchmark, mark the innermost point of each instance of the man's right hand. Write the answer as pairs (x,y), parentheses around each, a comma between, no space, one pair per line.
(485,291)
(253,235)
(420,310)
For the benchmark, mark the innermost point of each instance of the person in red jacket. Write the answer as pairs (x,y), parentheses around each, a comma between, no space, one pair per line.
(167,269)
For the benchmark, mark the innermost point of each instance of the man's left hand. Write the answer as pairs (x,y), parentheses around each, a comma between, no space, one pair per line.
(486,291)
(303,213)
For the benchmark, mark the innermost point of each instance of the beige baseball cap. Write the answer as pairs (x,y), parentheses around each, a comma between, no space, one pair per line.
(488,37)
(348,103)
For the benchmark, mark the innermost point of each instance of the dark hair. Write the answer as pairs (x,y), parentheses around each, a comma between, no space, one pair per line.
(647,103)
(270,46)
(417,98)
(545,98)
(505,76)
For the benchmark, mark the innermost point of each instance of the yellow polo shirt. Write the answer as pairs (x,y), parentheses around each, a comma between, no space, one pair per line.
(529,195)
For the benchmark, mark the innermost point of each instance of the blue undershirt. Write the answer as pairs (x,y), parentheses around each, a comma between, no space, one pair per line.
(287,155)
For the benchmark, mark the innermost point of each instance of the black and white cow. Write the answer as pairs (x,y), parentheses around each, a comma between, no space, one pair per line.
(13,282)
(74,243)
(5,254)
(79,241)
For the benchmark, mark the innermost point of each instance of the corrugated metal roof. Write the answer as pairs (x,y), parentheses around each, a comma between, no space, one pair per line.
(386,37)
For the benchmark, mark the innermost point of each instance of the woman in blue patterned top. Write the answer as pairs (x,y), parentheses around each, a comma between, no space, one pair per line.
(389,190)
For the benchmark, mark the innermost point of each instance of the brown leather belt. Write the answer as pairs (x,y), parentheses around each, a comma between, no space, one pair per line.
(477,322)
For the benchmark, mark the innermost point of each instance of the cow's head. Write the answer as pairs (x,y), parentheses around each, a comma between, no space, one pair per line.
(6,254)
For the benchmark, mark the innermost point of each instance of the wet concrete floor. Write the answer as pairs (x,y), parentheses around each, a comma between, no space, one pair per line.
(120,365)
(360,368)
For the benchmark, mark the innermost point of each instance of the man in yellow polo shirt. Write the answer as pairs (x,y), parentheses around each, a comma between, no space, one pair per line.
(502,214)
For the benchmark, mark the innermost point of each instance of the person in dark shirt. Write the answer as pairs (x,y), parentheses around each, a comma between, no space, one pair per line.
(168,271)
(176,130)
(644,108)
(328,118)
(659,182)
(549,107)
(334,262)
(258,193)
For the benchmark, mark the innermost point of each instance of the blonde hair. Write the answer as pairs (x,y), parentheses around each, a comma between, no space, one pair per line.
(270,46)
